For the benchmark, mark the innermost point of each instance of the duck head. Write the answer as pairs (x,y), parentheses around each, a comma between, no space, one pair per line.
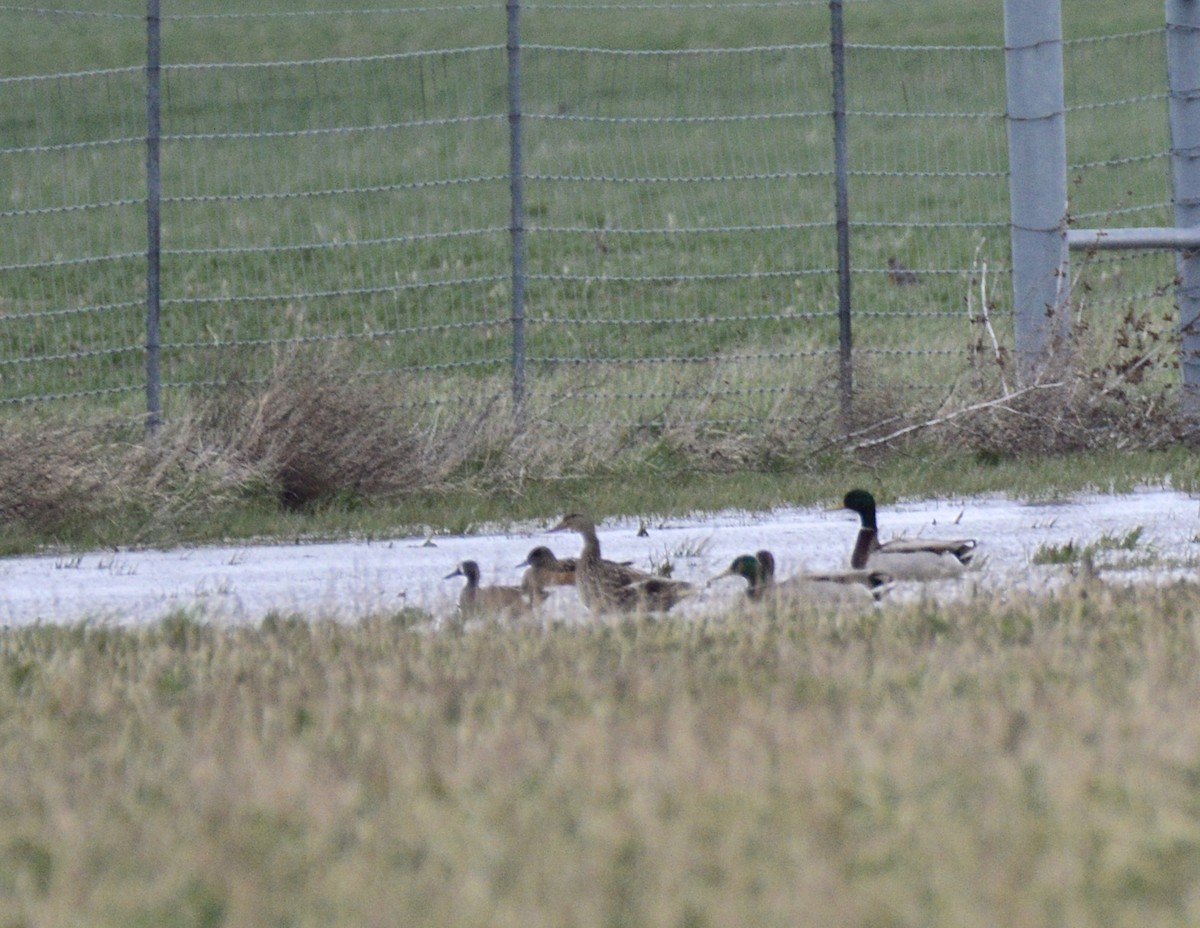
(575,522)
(863,503)
(541,557)
(468,569)
(744,565)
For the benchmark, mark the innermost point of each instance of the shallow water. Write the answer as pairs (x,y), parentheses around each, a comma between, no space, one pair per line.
(347,580)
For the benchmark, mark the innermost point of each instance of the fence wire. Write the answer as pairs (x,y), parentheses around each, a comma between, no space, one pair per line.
(340,178)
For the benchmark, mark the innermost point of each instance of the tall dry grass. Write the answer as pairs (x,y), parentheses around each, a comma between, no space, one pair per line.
(317,431)
(1025,763)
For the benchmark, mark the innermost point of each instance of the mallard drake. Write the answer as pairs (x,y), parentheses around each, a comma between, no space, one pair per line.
(903,558)
(831,586)
(477,600)
(606,585)
(543,569)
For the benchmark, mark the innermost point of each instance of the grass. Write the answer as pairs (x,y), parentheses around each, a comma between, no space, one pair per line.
(312,455)
(676,267)
(1072,552)
(1009,761)
(322,447)
(1027,762)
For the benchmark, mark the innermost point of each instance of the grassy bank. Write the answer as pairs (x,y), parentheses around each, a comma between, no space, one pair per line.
(67,488)
(975,764)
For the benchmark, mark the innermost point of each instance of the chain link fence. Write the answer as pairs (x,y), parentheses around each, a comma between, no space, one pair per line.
(340,179)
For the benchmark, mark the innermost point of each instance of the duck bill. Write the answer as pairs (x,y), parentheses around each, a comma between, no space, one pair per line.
(727,572)
(456,573)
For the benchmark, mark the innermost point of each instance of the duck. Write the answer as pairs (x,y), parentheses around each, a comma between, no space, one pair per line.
(830,586)
(757,570)
(475,600)
(903,558)
(543,569)
(607,585)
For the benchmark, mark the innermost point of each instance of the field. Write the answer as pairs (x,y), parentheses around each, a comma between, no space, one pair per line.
(336,350)
(1012,763)
(680,233)
(1016,748)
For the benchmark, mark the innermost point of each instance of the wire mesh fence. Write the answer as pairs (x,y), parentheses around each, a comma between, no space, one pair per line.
(340,179)
(1118,151)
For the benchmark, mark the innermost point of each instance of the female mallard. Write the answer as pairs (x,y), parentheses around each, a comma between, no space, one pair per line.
(903,558)
(477,600)
(833,586)
(606,585)
(543,569)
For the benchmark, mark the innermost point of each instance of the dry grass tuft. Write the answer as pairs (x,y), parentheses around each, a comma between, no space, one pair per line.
(316,431)
(319,429)
(54,477)
(101,483)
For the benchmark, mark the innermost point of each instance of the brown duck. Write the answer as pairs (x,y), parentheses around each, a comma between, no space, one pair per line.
(606,585)
(476,600)
(543,569)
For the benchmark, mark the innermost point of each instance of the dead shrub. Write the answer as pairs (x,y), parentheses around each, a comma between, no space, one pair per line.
(1117,389)
(1110,390)
(1075,415)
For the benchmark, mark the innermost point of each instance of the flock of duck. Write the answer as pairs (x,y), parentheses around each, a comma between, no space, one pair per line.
(612,586)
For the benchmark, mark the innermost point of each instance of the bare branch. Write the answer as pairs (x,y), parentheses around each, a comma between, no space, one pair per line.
(1000,401)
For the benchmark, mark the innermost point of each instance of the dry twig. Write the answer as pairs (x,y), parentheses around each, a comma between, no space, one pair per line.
(998,402)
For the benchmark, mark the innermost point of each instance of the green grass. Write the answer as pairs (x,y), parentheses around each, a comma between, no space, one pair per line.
(1031,763)
(1072,552)
(467,511)
(675,267)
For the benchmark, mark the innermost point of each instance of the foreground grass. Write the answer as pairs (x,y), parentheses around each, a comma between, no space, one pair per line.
(1023,763)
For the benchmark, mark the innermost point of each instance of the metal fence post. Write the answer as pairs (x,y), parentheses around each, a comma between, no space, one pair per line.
(1037,156)
(153,221)
(842,210)
(1183,112)
(517,209)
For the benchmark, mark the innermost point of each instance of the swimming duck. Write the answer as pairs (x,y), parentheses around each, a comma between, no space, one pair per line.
(606,585)
(831,586)
(903,558)
(477,600)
